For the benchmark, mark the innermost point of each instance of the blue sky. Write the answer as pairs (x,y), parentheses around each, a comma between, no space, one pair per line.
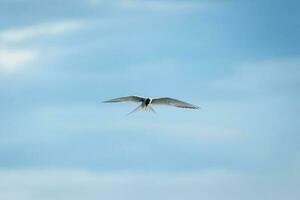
(238,60)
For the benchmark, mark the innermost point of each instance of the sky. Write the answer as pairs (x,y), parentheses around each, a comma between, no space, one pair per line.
(238,60)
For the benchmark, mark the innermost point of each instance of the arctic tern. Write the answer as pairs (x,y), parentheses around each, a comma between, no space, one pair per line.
(147,102)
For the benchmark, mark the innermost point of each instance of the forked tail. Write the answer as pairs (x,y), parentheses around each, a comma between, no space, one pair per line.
(139,108)
(151,109)
(142,107)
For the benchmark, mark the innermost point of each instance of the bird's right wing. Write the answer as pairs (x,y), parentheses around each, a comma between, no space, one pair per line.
(173,102)
(123,99)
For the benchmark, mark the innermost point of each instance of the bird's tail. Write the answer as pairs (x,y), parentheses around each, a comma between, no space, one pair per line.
(142,107)
(151,109)
(139,108)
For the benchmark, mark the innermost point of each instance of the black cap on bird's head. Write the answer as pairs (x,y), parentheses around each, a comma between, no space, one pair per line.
(147,101)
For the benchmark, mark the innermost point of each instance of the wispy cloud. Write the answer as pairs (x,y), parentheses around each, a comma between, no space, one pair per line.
(156,5)
(149,71)
(16,49)
(268,75)
(172,126)
(45,29)
(12,60)
(81,184)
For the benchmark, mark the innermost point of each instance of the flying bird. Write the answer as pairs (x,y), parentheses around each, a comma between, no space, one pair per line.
(147,102)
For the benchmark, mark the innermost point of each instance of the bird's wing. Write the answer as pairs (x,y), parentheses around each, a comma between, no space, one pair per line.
(128,98)
(173,102)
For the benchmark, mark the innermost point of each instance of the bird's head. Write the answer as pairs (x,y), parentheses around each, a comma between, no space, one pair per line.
(147,101)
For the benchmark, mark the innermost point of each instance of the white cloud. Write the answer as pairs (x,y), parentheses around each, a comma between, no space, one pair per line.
(16,51)
(149,71)
(12,60)
(201,126)
(81,184)
(156,5)
(261,76)
(45,29)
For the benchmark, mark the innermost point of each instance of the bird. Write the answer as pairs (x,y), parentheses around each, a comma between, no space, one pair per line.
(146,103)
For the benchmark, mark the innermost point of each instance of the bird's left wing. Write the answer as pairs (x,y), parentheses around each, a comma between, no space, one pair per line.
(128,98)
(173,102)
